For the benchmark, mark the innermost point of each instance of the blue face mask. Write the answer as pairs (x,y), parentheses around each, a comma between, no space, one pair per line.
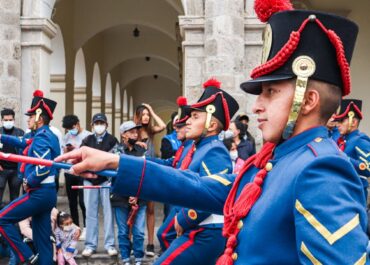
(74,131)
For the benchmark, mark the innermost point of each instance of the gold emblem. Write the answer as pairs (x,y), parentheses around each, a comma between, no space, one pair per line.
(192,214)
(210,109)
(304,66)
(267,43)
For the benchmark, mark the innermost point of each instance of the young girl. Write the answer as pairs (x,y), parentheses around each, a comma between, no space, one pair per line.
(65,239)
(145,116)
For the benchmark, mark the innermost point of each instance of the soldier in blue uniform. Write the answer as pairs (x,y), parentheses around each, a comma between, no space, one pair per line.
(199,232)
(299,200)
(39,184)
(354,143)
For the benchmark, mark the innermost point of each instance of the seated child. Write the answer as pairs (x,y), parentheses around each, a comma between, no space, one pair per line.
(65,239)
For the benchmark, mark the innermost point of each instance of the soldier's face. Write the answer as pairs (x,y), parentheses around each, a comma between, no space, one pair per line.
(181,133)
(195,124)
(272,107)
(344,127)
(31,121)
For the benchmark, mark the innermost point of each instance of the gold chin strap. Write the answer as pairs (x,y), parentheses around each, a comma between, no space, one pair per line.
(210,109)
(303,67)
(351,115)
(38,113)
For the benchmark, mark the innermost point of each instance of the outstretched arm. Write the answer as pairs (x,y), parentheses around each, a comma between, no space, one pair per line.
(154,182)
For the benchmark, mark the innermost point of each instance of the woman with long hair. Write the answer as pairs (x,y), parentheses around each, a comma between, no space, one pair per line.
(151,124)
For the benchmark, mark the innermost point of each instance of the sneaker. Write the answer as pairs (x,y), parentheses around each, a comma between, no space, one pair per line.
(83,235)
(150,250)
(87,252)
(126,262)
(112,251)
(138,261)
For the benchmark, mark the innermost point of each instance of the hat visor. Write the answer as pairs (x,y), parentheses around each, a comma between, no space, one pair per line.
(180,125)
(30,113)
(135,127)
(254,86)
(99,120)
(189,109)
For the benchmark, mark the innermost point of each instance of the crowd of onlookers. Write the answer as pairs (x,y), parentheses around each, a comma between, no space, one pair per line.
(129,213)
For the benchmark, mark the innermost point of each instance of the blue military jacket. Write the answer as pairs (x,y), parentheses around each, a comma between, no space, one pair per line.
(210,157)
(310,211)
(357,147)
(45,145)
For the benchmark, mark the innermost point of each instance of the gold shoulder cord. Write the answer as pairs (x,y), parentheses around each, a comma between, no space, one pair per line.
(303,67)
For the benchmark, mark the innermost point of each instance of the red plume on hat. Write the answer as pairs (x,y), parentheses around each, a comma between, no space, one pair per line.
(213,82)
(266,8)
(38,93)
(181,101)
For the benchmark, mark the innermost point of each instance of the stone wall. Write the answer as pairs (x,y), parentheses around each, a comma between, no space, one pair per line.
(10,55)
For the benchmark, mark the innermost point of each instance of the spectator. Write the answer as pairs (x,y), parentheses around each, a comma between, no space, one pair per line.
(170,143)
(145,115)
(126,207)
(233,151)
(72,140)
(243,118)
(104,141)
(65,239)
(244,147)
(8,170)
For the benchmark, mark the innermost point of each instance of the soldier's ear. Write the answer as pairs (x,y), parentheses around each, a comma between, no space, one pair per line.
(311,102)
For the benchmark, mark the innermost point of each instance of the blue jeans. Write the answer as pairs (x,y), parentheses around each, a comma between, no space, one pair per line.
(91,199)
(138,231)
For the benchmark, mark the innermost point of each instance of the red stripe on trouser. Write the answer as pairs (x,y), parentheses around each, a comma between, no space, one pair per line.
(171,224)
(11,207)
(182,248)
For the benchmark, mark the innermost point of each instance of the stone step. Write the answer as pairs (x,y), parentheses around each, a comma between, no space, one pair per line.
(105,259)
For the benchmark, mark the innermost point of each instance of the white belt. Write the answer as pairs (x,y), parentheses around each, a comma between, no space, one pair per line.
(365,178)
(213,219)
(50,179)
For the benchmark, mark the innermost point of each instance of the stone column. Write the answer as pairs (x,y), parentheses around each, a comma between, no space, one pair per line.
(58,93)
(36,49)
(117,123)
(192,31)
(79,105)
(224,44)
(10,57)
(95,105)
(109,114)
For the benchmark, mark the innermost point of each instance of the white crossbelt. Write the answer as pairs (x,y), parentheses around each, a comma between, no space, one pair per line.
(50,179)
(213,219)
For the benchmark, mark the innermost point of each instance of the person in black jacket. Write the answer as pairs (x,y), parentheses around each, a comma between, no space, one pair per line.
(104,141)
(244,147)
(9,170)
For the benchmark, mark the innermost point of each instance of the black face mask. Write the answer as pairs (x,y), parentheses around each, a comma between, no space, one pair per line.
(132,141)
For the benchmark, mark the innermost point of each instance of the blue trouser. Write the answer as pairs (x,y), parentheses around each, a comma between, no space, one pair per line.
(38,204)
(166,232)
(138,232)
(199,246)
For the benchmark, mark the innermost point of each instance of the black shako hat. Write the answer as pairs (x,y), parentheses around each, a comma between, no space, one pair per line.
(217,102)
(42,105)
(182,113)
(349,108)
(327,39)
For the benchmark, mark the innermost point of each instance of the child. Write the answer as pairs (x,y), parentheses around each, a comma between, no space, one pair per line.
(65,239)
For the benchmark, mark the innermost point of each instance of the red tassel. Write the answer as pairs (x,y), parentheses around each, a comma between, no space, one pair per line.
(212,82)
(38,93)
(266,8)
(182,101)
(225,260)
(177,156)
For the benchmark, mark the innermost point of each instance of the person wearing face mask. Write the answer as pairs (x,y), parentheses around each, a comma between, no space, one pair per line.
(104,141)
(8,170)
(66,242)
(126,207)
(72,140)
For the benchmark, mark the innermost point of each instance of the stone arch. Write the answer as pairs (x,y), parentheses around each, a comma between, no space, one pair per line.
(96,81)
(79,93)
